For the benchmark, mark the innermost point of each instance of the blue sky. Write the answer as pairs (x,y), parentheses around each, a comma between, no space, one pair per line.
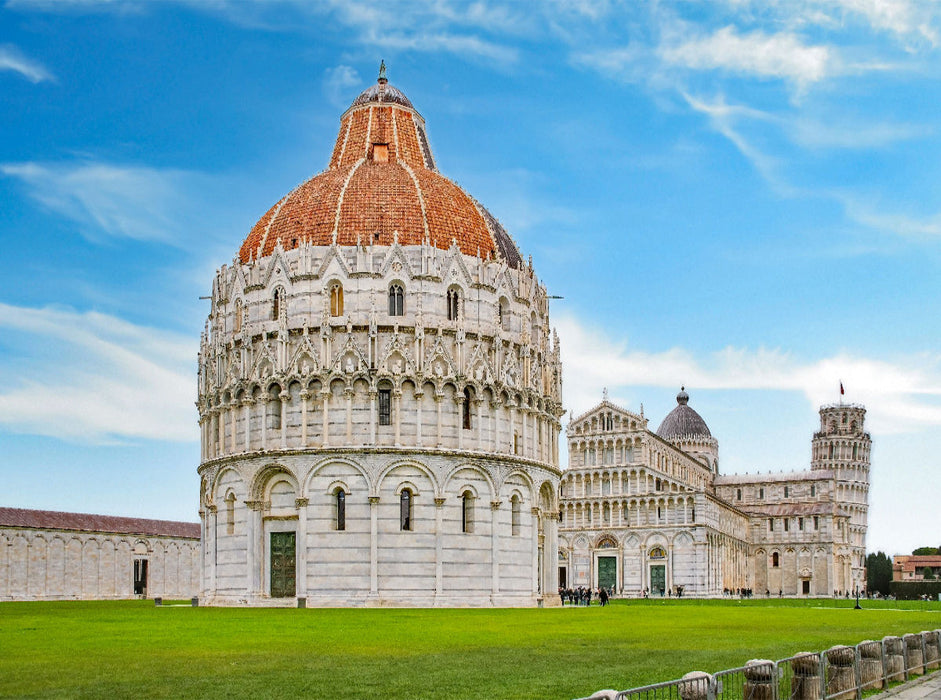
(737,196)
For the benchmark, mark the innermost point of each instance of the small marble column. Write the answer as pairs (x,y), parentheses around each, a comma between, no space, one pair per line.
(325,395)
(301,547)
(494,549)
(348,392)
(285,397)
(439,546)
(247,424)
(374,545)
(305,396)
(397,414)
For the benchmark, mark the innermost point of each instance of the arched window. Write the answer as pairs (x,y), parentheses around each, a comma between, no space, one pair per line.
(273,408)
(467,512)
(279,307)
(466,409)
(761,493)
(786,491)
(238,315)
(405,509)
(341,509)
(503,315)
(515,515)
(454,305)
(855,451)
(775,563)
(385,406)
(831,451)
(813,490)
(230,514)
(738,494)
(336,299)
(396,300)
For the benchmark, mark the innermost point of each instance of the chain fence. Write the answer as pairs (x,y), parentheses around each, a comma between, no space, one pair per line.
(838,673)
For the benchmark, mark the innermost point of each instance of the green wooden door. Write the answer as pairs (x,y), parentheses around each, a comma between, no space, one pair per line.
(283,570)
(658,578)
(607,572)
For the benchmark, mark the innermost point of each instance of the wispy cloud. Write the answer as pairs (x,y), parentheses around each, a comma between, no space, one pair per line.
(140,203)
(909,20)
(901,395)
(778,56)
(12,59)
(92,377)
(337,82)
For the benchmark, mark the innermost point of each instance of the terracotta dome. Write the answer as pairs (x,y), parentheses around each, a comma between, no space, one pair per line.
(381,185)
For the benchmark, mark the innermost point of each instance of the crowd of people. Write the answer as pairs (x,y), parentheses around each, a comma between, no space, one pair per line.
(583,596)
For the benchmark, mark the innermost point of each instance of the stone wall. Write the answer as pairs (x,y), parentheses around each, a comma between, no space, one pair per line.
(40,564)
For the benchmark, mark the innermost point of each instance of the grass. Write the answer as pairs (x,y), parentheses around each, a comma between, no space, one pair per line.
(134,649)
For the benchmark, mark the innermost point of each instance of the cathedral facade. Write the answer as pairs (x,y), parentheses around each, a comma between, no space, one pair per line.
(648,513)
(379,392)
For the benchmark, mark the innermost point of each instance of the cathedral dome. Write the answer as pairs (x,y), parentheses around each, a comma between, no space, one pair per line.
(381,186)
(683,421)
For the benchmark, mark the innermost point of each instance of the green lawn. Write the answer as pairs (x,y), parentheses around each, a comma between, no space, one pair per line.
(136,650)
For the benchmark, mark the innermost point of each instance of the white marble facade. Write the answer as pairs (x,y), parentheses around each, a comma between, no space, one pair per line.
(299,401)
(639,513)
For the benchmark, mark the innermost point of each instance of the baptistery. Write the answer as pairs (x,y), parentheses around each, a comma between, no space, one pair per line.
(379,392)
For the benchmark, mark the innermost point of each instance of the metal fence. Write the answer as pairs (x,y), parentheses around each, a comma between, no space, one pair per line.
(838,673)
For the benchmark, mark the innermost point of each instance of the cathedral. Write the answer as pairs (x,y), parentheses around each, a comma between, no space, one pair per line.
(648,513)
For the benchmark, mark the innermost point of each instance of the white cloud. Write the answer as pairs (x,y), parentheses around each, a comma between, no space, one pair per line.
(781,56)
(94,377)
(140,203)
(12,59)
(906,19)
(900,396)
(337,84)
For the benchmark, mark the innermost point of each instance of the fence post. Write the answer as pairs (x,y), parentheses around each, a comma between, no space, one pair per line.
(914,655)
(869,658)
(841,676)
(697,685)
(932,650)
(894,659)
(759,679)
(805,676)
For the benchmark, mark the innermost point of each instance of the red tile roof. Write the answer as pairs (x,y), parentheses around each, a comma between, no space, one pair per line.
(362,200)
(54,520)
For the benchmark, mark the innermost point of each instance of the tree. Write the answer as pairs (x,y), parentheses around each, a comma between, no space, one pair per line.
(926,551)
(878,573)
(928,573)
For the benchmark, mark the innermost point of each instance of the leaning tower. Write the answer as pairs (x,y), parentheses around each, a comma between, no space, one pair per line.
(842,446)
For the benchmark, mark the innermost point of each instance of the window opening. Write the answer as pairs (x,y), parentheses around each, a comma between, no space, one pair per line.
(775,562)
(278,305)
(341,509)
(230,514)
(385,407)
(454,305)
(467,512)
(405,510)
(396,300)
(466,410)
(336,300)
(238,315)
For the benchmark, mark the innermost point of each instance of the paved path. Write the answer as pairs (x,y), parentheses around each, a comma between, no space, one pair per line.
(927,687)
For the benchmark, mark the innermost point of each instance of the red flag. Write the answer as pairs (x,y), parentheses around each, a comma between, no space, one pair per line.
(841,389)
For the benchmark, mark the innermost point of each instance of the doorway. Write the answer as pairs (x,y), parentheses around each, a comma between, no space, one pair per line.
(140,577)
(806,586)
(283,564)
(607,572)
(658,579)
